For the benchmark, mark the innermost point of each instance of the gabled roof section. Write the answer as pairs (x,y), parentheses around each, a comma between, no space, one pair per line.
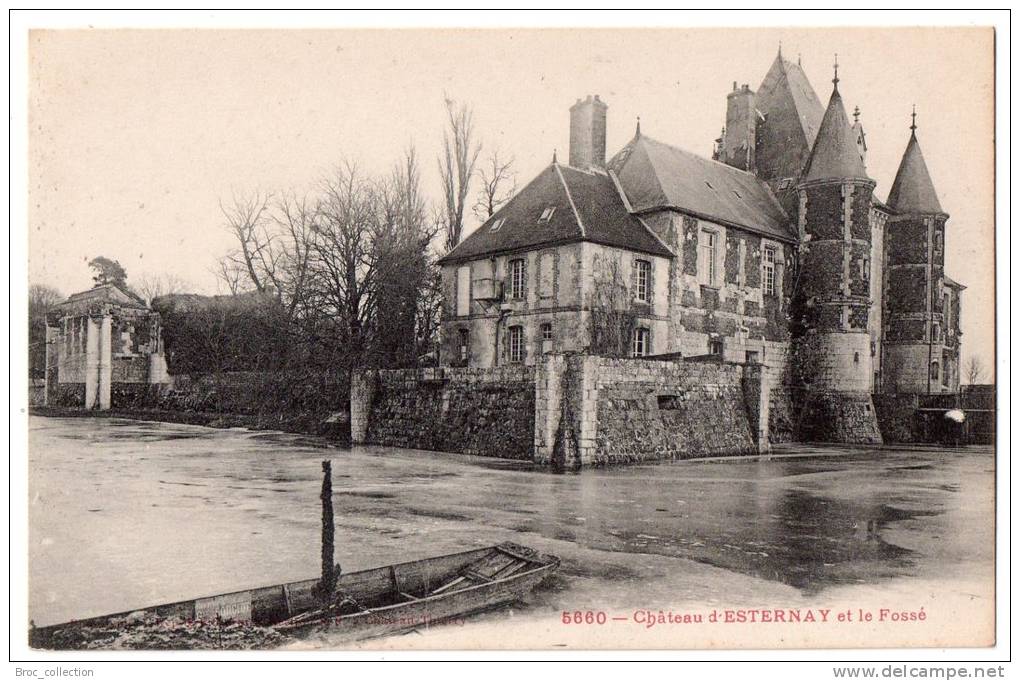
(786,91)
(835,154)
(587,207)
(912,190)
(104,293)
(655,175)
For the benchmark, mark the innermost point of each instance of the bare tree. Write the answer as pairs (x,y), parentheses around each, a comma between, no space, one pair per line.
(499,183)
(41,299)
(976,371)
(154,286)
(457,167)
(247,219)
(274,236)
(342,274)
(403,263)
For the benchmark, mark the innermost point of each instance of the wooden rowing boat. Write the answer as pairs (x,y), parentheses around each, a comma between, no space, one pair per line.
(364,604)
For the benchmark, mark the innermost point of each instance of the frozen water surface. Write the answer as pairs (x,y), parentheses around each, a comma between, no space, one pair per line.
(128,513)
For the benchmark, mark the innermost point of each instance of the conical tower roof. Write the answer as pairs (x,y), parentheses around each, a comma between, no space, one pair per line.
(834,154)
(912,190)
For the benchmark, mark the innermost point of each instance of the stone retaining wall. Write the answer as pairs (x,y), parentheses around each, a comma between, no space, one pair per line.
(486,412)
(598,410)
(568,411)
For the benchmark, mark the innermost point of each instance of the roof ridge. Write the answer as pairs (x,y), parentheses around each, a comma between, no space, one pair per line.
(630,209)
(570,198)
(696,155)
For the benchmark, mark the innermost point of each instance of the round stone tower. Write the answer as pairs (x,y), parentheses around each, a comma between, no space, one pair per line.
(832,351)
(918,351)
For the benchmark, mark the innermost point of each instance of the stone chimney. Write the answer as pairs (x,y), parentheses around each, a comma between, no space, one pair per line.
(741,121)
(588,133)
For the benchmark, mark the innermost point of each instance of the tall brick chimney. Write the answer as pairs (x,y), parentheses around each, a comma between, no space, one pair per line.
(588,133)
(738,142)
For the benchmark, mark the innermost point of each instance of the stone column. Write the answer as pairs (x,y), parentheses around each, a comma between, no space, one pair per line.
(91,362)
(52,362)
(548,405)
(363,386)
(105,365)
(756,399)
(157,368)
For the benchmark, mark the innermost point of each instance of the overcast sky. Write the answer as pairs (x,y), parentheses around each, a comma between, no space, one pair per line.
(134,136)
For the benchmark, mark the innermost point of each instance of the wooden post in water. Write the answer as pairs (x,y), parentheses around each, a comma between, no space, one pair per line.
(328,582)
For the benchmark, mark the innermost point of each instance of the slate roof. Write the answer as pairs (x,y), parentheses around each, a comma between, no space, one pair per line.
(786,87)
(655,175)
(834,154)
(912,190)
(588,207)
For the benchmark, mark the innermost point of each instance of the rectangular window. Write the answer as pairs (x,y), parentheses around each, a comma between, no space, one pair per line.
(642,281)
(715,347)
(947,312)
(517,279)
(641,345)
(547,214)
(496,225)
(516,343)
(752,357)
(463,291)
(547,337)
(464,338)
(707,241)
(768,271)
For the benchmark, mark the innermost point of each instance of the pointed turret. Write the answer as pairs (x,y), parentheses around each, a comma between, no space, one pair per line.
(833,300)
(912,190)
(917,314)
(835,154)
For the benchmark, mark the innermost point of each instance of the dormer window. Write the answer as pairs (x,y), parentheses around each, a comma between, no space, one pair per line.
(547,214)
(785,183)
(497,224)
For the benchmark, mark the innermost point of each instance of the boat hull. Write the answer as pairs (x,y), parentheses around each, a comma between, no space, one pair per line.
(390,599)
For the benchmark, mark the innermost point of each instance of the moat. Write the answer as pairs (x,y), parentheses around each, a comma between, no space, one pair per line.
(130,513)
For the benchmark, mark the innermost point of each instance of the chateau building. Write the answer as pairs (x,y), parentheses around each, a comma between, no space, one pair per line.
(775,251)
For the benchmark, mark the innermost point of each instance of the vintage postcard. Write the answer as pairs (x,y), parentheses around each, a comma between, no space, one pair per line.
(512,339)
